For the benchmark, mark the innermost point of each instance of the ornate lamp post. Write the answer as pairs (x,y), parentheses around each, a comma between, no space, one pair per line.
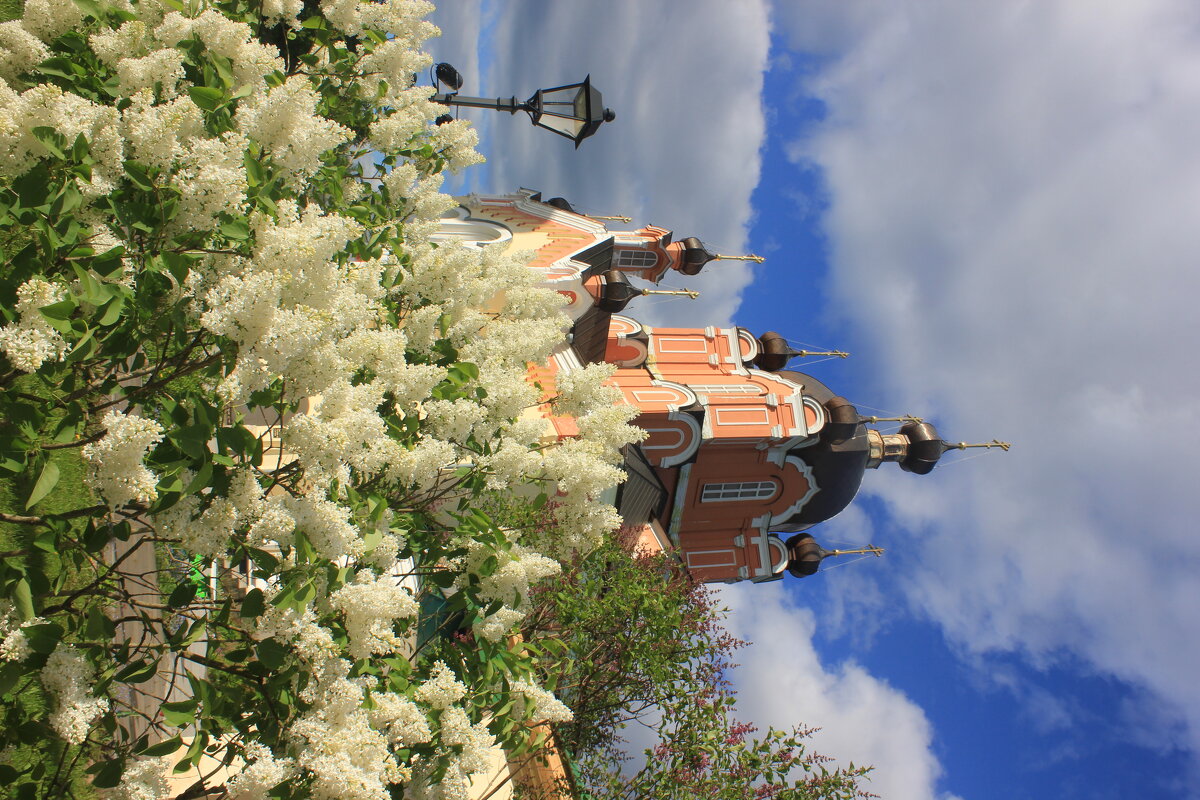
(575,111)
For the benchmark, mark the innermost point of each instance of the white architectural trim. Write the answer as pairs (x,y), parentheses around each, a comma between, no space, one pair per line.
(687,391)
(806,471)
(697,435)
(636,344)
(633,323)
(567,360)
(729,550)
(750,339)
(681,490)
(812,403)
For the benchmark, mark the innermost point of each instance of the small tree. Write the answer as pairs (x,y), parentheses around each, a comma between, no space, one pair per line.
(640,643)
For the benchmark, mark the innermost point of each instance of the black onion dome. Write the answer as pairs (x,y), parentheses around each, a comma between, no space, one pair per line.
(617,291)
(804,555)
(838,460)
(774,352)
(925,447)
(560,203)
(695,256)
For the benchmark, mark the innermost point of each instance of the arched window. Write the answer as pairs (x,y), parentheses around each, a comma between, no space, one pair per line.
(741,490)
(634,258)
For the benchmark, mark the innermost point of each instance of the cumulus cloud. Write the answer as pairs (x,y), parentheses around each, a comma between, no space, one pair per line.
(683,152)
(1013,190)
(781,681)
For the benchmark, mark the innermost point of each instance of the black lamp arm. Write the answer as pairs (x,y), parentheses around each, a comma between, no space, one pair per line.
(511,104)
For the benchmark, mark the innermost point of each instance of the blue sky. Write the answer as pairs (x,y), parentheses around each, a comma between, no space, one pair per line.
(994,207)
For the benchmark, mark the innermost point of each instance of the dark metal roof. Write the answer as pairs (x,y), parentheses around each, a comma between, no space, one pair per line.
(598,257)
(838,459)
(589,336)
(642,496)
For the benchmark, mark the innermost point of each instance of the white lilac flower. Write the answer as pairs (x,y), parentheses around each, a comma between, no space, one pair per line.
(261,773)
(144,779)
(371,607)
(495,627)
(546,707)
(32,296)
(400,718)
(68,678)
(50,18)
(20,51)
(115,463)
(441,688)
(475,740)
(285,123)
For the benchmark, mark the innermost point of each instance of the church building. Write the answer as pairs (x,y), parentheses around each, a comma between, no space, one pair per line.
(743,456)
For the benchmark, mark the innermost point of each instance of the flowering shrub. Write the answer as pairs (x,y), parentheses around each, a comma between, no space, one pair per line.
(223,311)
(634,643)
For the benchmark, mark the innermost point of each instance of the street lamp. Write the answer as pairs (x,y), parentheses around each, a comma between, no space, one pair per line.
(575,111)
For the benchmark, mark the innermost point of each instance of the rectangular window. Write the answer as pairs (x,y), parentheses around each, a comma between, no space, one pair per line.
(742,490)
(727,388)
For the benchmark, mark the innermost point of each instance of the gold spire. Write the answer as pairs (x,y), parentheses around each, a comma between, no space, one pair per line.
(905,418)
(676,292)
(987,445)
(614,219)
(869,550)
(832,353)
(751,257)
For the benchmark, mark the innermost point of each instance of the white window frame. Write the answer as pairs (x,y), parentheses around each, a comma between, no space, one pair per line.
(752,389)
(738,491)
(635,258)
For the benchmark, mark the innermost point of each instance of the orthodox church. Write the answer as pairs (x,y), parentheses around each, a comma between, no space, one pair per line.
(743,456)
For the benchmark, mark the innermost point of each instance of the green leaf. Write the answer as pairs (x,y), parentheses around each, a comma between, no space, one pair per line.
(111,311)
(194,751)
(167,746)
(52,140)
(107,774)
(137,672)
(179,714)
(91,7)
(253,604)
(43,638)
(182,595)
(22,597)
(207,97)
(238,229)
(139,175)
(271,653)
(45,484)
(58,311)
(58,67)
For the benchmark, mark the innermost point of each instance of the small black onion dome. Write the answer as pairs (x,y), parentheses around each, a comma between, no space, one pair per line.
(925,447)
(617,291)
(695,256)
(804,555)
(774,352)
(560,202)
(842,420)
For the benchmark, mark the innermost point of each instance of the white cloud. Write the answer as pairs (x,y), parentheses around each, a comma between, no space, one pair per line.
(683,152)
(782,682)
(1013,197)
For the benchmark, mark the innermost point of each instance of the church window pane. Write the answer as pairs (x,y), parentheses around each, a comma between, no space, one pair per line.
(628,258)
(741,490)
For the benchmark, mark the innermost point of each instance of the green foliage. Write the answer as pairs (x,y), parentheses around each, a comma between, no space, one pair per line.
(631,640)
